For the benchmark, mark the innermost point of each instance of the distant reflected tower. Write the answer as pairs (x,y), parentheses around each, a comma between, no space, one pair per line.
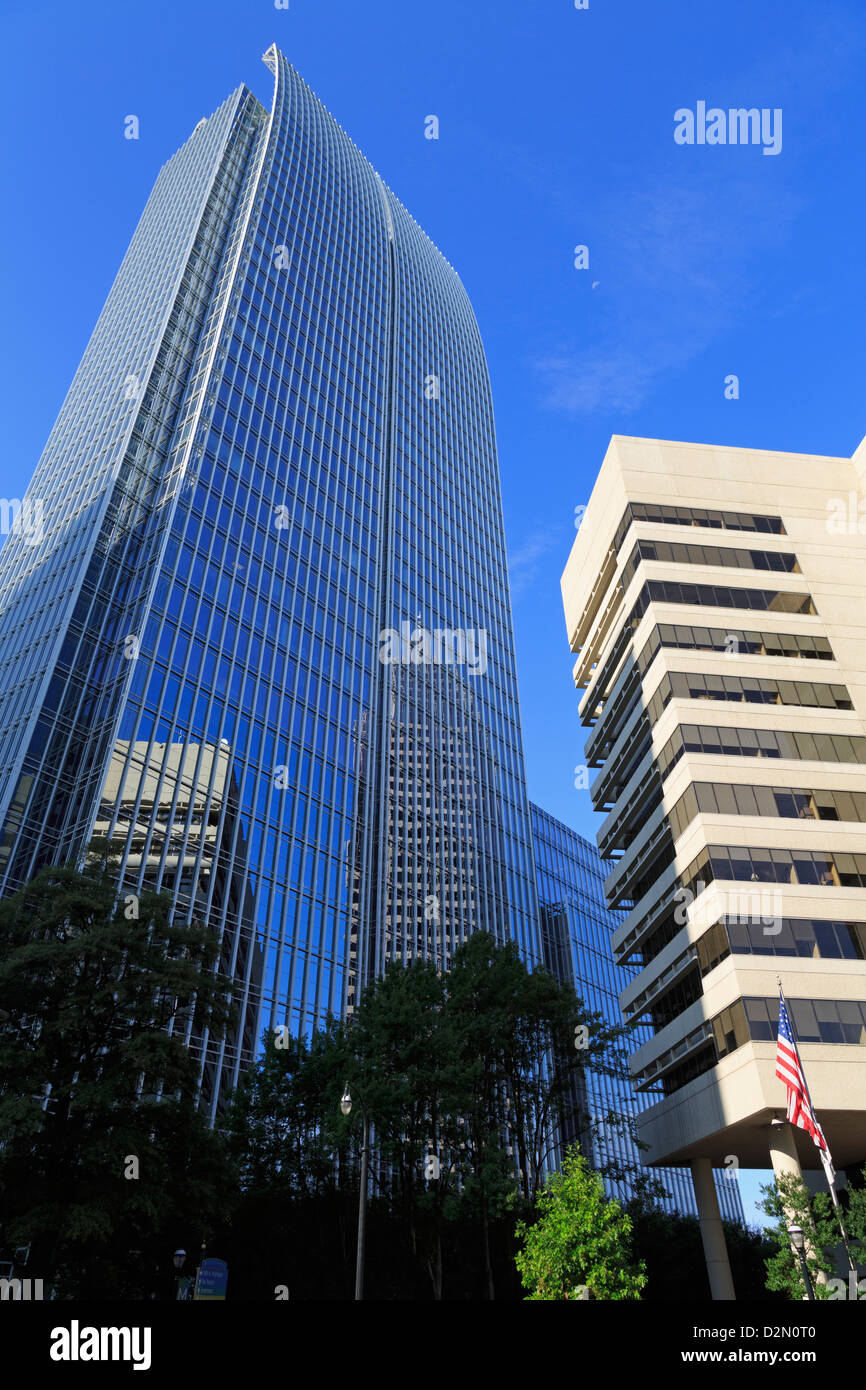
(173,805)
(577,928)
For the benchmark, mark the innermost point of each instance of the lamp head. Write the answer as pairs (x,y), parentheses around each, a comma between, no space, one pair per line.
(798,1240)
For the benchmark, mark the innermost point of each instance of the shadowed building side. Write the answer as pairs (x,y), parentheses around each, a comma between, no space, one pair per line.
(577,928)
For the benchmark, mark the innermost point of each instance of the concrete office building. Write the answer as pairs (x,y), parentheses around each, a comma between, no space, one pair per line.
(716,601)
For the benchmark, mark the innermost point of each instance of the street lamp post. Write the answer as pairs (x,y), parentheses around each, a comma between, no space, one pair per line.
(179,1257)
(346,1106)
(798,1240)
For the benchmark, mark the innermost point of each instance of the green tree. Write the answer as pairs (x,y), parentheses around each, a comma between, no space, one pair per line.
(405,1071)
(464,1077)
(105,1163)
(855,1216)
(480,1021)
(788,1202)
(295,1219)
(281,1125)
(670,1246)
(580,1241)
(514,1034)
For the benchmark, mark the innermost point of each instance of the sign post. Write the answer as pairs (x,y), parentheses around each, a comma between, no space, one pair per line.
(212,1281)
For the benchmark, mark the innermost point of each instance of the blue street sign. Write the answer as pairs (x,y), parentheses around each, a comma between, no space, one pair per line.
(212,1281)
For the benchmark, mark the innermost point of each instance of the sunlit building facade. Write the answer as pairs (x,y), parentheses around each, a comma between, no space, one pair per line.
(714,600)
(278,449)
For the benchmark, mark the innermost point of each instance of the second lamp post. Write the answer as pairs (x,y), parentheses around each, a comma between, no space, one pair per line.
(798,1240)
(346,1106)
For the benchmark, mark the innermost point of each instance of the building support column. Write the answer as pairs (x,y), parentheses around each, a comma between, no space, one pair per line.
(786,1161)
(783,1151)
(712,1231)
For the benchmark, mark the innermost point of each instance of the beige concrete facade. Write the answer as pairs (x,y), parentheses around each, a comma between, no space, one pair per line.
(722,1105)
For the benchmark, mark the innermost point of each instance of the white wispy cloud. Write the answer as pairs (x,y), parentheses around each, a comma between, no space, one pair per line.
(677,249)
(675,273)
(524,562)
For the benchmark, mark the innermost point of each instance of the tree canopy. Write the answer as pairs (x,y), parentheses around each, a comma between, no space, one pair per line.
(106,1163)
(580,1245)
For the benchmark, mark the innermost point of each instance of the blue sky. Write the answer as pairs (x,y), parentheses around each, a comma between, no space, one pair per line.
(556,129)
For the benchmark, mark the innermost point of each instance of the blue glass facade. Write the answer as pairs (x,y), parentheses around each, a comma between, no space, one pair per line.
(576,927)
(278,449)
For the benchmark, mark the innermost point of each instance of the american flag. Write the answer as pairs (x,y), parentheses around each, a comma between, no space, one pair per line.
(789,1069)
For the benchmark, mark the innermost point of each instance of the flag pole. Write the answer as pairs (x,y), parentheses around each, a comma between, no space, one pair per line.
(823,1153)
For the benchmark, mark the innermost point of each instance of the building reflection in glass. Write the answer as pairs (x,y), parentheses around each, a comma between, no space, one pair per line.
(171,806)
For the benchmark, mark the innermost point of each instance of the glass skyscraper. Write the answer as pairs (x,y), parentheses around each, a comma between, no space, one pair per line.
(576,930)
(260,633)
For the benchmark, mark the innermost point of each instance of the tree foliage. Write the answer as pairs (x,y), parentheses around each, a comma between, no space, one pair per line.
(105,1159)
(787,1202)
(463,1076)
(670,1245)
(465,1080)
(580,1245)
